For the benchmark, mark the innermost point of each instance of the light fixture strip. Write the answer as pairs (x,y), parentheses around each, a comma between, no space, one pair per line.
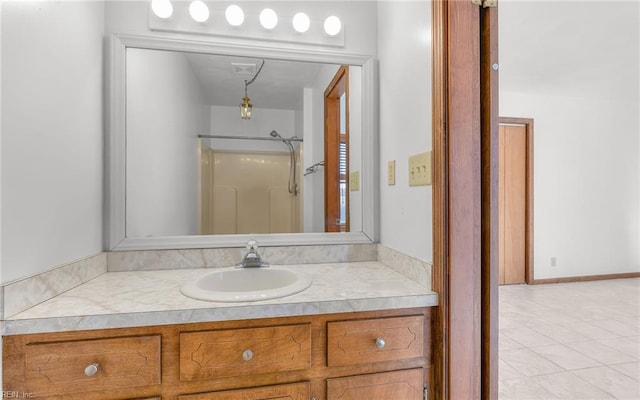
(256,21)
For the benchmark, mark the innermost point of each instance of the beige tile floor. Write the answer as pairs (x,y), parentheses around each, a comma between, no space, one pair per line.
(570,341)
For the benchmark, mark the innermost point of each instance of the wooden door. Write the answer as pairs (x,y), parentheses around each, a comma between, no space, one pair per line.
(513,203)
(336,153)
(405,385)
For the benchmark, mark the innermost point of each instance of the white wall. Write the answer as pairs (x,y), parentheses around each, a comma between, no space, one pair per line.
(166,111)
(226,121)
(585,104)
(52,140)
(308,200)
(586,185)
(404,52)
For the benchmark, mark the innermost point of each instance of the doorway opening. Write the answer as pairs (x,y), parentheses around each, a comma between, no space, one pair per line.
(515,188)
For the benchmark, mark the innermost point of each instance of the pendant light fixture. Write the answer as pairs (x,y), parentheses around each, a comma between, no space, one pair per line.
(245,106)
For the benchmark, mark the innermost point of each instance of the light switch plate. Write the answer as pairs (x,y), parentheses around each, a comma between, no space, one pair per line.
(354,181)
(391,173)
(420,169)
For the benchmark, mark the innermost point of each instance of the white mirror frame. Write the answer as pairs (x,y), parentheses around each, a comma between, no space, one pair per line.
(115,176)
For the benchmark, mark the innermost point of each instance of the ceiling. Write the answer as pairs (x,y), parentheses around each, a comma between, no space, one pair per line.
(278,86)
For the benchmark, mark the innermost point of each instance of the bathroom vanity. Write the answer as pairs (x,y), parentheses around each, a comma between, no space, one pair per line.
(351,335)
(333,356)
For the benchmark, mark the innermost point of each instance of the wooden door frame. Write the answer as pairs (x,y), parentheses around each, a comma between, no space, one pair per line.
(490,208)
(465,212)
(528,230)
(340,81)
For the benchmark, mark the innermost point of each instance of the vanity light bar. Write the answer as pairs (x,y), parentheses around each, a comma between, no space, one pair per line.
(212,18)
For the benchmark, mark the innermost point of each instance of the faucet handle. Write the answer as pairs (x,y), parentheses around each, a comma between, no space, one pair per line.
(252,246)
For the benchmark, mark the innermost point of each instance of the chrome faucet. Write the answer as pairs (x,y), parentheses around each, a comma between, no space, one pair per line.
(252,259)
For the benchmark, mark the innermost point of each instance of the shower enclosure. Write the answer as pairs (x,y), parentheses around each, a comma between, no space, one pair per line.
(249,190)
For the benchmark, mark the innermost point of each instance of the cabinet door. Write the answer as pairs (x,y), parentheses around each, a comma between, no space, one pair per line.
(295,391)
(405,385)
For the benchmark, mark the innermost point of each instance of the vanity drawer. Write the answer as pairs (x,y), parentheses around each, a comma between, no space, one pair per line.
(405,385)
(233,352)
(294,391)
(68,367)
(375,340)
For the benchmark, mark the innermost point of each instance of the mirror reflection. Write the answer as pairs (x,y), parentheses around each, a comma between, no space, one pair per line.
(220,144)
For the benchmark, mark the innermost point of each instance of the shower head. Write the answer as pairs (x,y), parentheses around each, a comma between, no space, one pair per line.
(275,134)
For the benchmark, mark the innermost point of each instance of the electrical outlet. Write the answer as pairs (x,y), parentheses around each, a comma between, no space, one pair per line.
(553,262)
(354,181)
(391,173)
(420,169)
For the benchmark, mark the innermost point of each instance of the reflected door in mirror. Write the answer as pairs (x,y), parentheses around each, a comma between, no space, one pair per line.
(336,109)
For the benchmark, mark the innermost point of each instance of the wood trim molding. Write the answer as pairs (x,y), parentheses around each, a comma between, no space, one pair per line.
(490,209)
(528,124)
(440,284)
(588,278)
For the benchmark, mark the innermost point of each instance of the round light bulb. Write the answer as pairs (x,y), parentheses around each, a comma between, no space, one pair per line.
(301,22)
(268,18)
(162,8)
(332,25)
(234,15)
(199,11)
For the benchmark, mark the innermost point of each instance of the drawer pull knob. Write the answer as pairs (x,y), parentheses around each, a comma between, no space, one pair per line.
(247,355)
(91,369)
(380,343)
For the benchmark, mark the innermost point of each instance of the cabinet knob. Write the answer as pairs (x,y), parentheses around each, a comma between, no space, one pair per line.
(380,343)
(247,355)
(91,369)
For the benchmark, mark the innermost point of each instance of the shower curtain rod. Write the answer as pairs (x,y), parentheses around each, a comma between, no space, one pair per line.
(248,138)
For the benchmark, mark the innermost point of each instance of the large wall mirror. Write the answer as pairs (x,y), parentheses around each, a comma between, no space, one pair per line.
(188,169)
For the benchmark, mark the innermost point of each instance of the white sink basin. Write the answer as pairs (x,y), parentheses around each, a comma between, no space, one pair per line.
(246,284)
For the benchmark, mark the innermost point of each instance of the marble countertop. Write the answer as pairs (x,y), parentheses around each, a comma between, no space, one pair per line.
(145,298)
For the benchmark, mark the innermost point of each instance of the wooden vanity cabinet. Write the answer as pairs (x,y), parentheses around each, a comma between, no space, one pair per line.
(377,355)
